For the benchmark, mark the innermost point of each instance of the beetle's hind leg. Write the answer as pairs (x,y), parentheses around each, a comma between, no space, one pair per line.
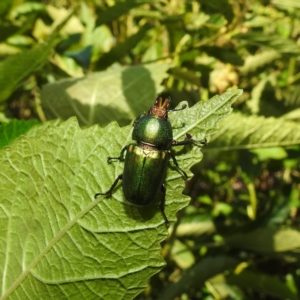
(109,192)
(162,205)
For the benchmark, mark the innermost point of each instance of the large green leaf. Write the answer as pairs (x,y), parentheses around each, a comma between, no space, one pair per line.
(56,241)
(102,97)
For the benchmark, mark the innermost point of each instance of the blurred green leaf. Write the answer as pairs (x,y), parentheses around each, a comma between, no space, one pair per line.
(292,98)
(121,49)
(115,95)
(224,54)
(224,290)
(5,5)
(194,21)
(7,31)
(270,153)
(198,274)
(222,209)
(259,60)
(255,103)
(120,8)
(266,239)
(186,75)
(263,283)
(3,118)
(292,115)
(249,132)
(182,255)
(218,6)
(280,210)
(275,42)
(16,68)
(27,8)
(196,226)
(10,131)
(286,4)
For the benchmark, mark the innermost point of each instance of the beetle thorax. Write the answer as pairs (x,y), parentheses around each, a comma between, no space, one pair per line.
(153,131)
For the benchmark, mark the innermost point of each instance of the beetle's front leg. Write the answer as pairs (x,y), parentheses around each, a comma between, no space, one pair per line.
(188,140)
(109,192)
(177,165)
(121,157)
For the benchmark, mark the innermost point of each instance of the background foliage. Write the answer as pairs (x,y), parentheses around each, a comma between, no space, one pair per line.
(106,61)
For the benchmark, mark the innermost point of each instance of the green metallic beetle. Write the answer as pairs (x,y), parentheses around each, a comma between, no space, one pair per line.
(146,160)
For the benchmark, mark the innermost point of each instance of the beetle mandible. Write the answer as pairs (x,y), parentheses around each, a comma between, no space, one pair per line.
(146,160)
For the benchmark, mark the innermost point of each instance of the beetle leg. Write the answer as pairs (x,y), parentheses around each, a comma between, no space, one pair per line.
(121,157)
(188,140)
(177,165)
(162,205)
(108,193)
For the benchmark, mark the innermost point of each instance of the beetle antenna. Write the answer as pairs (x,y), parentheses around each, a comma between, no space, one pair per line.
(178,109)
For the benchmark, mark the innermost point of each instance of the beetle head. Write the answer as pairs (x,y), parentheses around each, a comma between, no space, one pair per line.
(160,108)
